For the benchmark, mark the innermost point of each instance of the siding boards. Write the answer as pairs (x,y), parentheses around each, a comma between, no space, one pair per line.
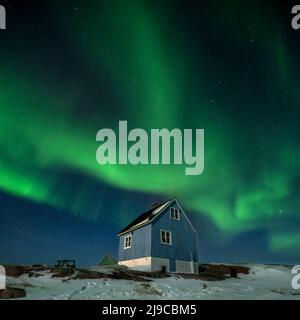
(140,247)
(183,238)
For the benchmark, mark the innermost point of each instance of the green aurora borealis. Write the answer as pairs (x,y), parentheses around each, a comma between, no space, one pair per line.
(231,69)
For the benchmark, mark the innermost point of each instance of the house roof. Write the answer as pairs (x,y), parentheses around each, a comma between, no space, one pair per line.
(146,217)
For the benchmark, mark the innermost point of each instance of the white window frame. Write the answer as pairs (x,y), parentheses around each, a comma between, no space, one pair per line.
(177,212)
(127,242)
(161,237)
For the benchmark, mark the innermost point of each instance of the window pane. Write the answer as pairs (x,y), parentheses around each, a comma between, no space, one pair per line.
(127,242)
(165,237)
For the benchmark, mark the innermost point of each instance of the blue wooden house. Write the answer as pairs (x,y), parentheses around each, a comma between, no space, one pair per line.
(161,238)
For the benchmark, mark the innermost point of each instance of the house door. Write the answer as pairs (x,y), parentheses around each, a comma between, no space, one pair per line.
(172,265)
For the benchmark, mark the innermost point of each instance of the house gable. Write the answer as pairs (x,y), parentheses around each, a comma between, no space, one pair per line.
(177,204)
(183,236)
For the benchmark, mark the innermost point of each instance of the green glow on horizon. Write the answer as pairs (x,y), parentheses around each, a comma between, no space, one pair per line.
(285,242)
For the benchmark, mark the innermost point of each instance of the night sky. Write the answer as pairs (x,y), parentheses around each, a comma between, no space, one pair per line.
(71,68)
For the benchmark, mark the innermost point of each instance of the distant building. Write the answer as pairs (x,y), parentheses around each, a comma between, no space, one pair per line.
(162,238)
(107,261)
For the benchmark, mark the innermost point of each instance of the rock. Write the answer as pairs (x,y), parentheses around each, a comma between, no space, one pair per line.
(33,274)
(12,293)
(88,274)
(121,275)
(62,272)
(15,271)
(226,269)
(154,274)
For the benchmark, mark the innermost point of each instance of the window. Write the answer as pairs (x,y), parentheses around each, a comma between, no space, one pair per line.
(127,242)
(175,213)
(165,237)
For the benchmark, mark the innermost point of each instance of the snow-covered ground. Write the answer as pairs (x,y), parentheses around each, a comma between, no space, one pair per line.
(263,282)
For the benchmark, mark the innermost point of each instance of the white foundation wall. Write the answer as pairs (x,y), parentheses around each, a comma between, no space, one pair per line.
(186,267)
(146,264)
(141,264)
(157,264)
(151,264)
